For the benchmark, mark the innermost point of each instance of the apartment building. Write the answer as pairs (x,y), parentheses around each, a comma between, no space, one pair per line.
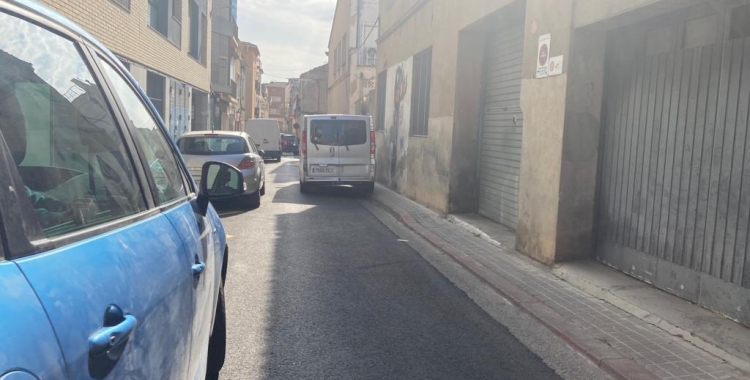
(278,101)
(227,67)
(313,91)
(164,44)
(352,54)
(253,76)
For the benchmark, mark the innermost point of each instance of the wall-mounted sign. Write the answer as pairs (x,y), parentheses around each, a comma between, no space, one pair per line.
(556,65)
(542,59)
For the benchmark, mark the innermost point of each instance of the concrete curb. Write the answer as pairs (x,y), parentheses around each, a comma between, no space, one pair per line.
(599,352)
(613,299)
(475,231)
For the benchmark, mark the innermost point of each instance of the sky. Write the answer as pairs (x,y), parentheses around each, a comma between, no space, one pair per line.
(292,35)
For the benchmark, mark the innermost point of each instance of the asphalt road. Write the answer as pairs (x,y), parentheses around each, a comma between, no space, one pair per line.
(319,288)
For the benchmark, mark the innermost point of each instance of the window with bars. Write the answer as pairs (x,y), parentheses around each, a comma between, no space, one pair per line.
(420,96)
(380,117)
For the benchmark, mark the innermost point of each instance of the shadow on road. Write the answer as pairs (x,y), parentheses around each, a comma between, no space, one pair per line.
(349,301)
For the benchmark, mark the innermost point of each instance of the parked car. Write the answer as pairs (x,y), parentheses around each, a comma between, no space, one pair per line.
(289,144)
(267,133)
(113,261)
(337,150)
(234,148)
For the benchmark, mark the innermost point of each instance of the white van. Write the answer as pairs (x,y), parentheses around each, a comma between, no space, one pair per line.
(337,150)
(267,134)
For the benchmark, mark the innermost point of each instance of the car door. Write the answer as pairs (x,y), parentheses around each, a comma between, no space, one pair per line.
(110,270)
(258,159)
(354,148)
(323,149)
(175,194)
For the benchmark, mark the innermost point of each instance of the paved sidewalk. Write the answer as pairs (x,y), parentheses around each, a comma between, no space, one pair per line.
(618,342)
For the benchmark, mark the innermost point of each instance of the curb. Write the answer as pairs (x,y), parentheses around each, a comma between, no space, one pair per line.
(605,295)
(475,231)
(599,352)
(646,316)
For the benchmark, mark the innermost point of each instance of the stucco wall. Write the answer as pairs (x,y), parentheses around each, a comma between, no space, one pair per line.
(407,28)
(338,77)
(127,33)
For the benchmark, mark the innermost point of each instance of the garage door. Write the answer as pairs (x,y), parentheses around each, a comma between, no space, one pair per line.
(502,121)
(675,172)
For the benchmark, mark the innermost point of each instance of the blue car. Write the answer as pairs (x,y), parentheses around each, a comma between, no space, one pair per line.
(112,262)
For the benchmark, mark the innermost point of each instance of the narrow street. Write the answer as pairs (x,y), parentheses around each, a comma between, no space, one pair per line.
(318,288)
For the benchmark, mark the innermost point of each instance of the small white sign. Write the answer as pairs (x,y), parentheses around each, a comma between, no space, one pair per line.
(542,59)
(556,65)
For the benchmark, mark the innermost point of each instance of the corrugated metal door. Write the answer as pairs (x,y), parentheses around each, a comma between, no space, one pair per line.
(502,121)
(674,189)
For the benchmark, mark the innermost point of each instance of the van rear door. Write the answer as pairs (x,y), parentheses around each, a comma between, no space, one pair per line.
(354,148)
(323,149)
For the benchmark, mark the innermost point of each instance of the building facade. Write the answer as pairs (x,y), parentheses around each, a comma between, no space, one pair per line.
(164,44)
(253,77)
(278,101)
(352,54)
(607,129)
(227,67)
(314,90)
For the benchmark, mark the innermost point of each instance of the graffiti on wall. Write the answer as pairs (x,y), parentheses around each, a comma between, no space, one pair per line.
(398,109)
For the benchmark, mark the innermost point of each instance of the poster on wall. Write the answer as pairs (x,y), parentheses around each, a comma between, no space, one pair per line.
(542,59)
(397,118)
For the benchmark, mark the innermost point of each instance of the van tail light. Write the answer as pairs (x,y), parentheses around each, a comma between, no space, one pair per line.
(246,163)
(372,143)
(303,143)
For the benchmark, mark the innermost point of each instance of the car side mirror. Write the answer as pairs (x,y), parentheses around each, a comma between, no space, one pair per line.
(262,152)
(219,181)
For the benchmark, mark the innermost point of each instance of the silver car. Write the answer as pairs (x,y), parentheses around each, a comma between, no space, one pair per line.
(234,148)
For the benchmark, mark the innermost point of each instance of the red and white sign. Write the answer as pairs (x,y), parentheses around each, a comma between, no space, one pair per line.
(556,65)
(542,62)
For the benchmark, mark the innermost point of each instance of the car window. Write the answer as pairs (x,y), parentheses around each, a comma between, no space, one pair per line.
(324,132)
(339,132)
(211,145)
(60,132)
(157,151)
(253,146)
(354,132)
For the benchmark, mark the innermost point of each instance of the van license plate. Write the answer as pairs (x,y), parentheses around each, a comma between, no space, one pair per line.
(323,169)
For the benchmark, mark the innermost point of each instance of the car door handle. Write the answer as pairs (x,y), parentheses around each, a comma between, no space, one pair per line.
(111,338)
(199,268)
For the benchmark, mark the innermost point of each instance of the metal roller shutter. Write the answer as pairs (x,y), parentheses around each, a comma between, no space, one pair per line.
(674,184)
(502,121)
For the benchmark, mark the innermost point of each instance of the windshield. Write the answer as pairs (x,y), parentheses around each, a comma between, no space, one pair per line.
(212,145)
(338,132)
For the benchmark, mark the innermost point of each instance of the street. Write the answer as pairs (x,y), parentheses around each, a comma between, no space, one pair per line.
(318,288)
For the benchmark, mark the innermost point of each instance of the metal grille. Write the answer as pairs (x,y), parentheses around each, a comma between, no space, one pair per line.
(502,122)
(420,95)
(675,177)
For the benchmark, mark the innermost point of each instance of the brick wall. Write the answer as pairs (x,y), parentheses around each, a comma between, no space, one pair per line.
(128,34)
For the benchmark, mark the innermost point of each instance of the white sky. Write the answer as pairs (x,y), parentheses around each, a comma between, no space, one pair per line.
(292,35)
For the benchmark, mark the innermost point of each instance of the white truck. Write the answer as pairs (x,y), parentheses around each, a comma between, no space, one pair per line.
(267,135)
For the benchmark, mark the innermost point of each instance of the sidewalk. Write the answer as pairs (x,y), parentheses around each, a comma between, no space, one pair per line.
(625,345)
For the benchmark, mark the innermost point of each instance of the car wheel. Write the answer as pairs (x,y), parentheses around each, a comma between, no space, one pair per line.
(252,201)
(263,188)
(304,188)
(217,344)
(368,189)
